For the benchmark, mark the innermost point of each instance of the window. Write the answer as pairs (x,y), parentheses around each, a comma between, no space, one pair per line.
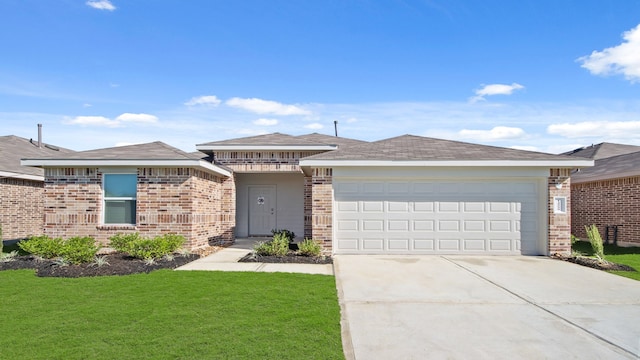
(560,205)
(120,198)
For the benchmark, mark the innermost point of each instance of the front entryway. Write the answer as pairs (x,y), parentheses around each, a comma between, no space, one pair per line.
(262,210)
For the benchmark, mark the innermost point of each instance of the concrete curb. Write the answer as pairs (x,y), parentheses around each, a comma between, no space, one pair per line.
(347,341)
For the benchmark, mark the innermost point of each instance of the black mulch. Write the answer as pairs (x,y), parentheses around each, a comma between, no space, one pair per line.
(595,264)
(291,257)
(118,264)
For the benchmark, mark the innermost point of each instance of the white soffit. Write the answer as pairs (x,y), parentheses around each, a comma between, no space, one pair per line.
(449,163)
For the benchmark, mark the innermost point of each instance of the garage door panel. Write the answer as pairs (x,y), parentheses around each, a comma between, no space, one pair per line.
(432,217)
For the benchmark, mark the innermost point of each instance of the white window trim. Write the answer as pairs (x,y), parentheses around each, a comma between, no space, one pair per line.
(105,199)
(559,204)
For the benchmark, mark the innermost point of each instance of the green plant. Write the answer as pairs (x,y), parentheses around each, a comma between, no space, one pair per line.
(290,235)
(78,250)
(99,261)
(43,246)
(145,248)
(596,241)
(574,239)
(8,257)
(309,247)
(278,246)
(1,242)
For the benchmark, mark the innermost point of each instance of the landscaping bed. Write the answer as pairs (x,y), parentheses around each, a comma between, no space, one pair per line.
(595,263)
(290,258)
(116,264)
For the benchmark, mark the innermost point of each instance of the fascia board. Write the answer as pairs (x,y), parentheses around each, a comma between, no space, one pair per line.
(446,163)
(6,174)
(124,163)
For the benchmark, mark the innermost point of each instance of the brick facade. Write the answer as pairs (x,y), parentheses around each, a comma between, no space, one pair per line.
(185,201)
(559,185)
(21,206)
(262,161)
(610,203)
(322,207)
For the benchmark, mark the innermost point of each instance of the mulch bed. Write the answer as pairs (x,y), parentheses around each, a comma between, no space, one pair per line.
(595,264)
(119,264)
(291,258)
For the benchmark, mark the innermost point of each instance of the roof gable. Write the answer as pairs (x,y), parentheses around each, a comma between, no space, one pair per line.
(613,167)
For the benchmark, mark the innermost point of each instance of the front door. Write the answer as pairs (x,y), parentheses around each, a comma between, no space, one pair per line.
(262,210)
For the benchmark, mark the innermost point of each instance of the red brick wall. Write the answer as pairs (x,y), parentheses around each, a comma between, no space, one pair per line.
(169,200)
(308,219)
(322,207)
(559,224)
(21,206)
(262,161)
(608,202)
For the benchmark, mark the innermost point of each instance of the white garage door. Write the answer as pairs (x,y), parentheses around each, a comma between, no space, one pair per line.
(437,217)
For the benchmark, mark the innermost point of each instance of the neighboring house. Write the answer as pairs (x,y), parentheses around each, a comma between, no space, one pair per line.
(608,194)
(21,187)
(403,195)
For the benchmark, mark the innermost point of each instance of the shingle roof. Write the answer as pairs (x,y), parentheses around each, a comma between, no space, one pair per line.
(411,147)
(268,139)
(13,148)
(150,151)
(609,168)
(603,150)
(331,140)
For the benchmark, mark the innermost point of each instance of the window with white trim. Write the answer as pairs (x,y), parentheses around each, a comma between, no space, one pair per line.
(560,205)
(119,198)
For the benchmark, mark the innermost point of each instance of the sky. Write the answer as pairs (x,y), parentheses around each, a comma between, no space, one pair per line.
(542,75)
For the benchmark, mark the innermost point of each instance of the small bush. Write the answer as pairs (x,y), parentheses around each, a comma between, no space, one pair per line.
(279,246)
(43,246)
(145,248)
(8,257)
(309,247)
(574,239)
(596,241)
(290,235)
(78,250)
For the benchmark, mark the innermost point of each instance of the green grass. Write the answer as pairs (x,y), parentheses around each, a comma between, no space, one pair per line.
(170,315)
(622,255)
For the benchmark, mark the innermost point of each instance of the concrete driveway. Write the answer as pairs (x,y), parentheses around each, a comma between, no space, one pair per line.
(484,307)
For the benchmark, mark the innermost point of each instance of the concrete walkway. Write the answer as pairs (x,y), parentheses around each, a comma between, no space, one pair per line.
(481,307)
(227,260)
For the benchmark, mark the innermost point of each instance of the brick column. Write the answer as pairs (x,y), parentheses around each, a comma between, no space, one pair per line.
(308,223)
(322,207)
(559,224)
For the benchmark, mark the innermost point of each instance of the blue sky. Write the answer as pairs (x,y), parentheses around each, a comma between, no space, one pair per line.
(538,75)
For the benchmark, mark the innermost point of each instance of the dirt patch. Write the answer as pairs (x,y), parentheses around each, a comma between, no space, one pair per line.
(595,264)
(291,258)
(116,264)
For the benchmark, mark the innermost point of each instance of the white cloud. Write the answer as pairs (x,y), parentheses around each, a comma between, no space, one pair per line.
(260,106)
(497,133)
(266,122)
(117,122)
(495,89)
(314,126)
(86,105)
(210,100)
(617,129)
(621,59)
(92,121)
(101,5)
(139,118)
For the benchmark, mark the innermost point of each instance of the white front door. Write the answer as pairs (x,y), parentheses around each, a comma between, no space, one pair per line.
(262,210)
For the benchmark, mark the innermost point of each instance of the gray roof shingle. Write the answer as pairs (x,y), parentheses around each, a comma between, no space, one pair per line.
(13,148)
(417,148)
(150,151)
(609,168)
(268,139)
(603,150)
(341,142)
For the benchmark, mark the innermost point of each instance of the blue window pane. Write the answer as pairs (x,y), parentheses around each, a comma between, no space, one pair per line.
(120,212)
(120,185)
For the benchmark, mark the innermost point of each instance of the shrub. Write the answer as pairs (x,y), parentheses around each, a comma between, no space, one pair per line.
(1,242)
(309,247)
(78,250)
(290,235)
(42,246)
(596,241)
(278,246)
(145,248)
(574,239)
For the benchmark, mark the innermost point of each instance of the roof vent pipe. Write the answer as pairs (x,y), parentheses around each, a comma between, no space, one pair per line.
(40,136)
(335,126)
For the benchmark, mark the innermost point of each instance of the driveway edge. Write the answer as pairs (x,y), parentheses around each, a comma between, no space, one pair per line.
(345,332)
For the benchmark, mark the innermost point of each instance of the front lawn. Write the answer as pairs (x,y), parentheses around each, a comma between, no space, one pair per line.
(622,255)
(170,315)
